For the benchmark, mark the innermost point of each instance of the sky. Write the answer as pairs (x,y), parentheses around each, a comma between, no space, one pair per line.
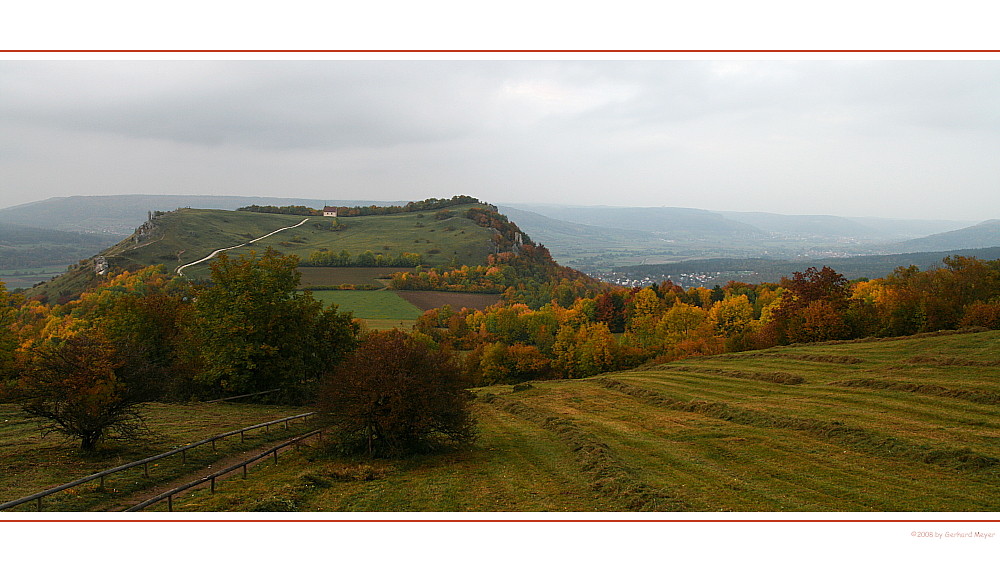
(899,139)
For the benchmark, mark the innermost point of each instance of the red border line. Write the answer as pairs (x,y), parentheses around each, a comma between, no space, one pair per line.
(850,521)
(488,51)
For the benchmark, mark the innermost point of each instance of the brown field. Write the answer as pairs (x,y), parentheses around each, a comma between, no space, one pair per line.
(319,276)
(457,300)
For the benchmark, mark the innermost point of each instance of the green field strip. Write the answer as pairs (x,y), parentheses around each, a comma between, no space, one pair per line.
(372,304)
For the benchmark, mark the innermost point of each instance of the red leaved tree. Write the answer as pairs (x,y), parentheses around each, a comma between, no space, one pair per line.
(395,395)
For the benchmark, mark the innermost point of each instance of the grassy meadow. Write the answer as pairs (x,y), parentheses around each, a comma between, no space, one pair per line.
(370,304)
(33,461)
(388,309)
(905,425)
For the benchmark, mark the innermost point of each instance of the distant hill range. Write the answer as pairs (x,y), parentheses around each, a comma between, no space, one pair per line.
(601,239)
(861,228)
(984,234)
(29,247)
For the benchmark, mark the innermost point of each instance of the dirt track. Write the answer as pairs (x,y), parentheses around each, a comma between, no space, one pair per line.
(138,497)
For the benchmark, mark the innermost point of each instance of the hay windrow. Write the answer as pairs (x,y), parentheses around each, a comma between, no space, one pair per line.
(606,473)
(772,377)
(784,355)
(857,438)
(940,360)
(935,334)
(985,397)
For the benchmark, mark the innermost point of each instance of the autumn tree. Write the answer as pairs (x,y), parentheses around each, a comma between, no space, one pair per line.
(812,307)
(85,387)
(144,313)
(8,337)
(395,395)
(253,331)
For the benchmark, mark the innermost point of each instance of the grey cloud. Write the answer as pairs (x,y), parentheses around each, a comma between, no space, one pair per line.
(826,137)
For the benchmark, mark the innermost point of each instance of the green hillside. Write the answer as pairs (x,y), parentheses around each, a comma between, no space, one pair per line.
(906,424)
(185,236)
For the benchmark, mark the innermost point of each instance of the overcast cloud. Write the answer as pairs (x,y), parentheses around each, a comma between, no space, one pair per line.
(914,139)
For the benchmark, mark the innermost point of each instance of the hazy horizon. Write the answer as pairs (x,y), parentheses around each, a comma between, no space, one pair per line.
(527,205)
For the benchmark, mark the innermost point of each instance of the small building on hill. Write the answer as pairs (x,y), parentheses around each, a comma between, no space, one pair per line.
(330,211)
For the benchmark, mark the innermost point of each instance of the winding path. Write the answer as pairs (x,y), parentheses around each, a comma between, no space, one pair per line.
(180,269)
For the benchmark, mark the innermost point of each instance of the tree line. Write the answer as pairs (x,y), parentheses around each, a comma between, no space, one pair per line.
(619,328)
(367,259)
(372,210)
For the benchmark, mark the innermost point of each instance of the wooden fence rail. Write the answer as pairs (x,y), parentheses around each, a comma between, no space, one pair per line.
(144,463)
(169,495)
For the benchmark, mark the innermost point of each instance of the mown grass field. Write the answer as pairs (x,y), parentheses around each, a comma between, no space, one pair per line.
(32,462)
(900,425)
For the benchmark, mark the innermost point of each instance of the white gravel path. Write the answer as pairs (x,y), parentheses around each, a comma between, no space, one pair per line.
(180,269)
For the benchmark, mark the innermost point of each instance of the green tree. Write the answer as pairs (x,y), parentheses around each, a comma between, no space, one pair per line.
(253,331)
(143,313)
(397,395)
